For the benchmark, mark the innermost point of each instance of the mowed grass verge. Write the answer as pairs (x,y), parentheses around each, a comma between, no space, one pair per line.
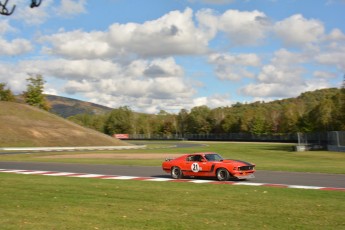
(43,202)
(266,156)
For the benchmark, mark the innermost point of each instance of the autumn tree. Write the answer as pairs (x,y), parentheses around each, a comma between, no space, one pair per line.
(182,122)
(322,115)
(5,93)
(34,93)
(119,121)
(198,120)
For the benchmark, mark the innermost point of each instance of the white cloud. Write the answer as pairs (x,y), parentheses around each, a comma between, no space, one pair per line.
(32,16)
(299,31)
(163,68)
(278,91)
(213,101)
(47,9)
(208,22)
(78,44)
(324,75)
(285,68)
(234,67)
(280,75)
(71,7)
(159,80)
(172,34)
(5,27)
(83,86)
(336,35)
(335,58)
(72,69)
(244,27)
(15,47)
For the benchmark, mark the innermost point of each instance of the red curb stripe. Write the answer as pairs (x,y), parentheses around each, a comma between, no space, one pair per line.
(142,178)
(92,176)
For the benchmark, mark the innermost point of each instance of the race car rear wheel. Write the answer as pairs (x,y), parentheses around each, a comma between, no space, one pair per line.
(223,174)
(176,173)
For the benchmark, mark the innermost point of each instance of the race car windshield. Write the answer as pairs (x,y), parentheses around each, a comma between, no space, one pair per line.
(213,157)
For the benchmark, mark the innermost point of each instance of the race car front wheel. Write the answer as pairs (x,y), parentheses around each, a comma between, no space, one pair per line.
(223,174)
(176,173)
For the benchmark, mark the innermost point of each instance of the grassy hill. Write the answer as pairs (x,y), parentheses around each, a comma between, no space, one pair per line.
(66,107)
(26,126)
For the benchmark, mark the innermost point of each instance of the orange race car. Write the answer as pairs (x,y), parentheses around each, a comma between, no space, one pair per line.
(208,165)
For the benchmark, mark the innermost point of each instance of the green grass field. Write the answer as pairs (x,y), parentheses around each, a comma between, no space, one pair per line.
(42,202)
(267,156)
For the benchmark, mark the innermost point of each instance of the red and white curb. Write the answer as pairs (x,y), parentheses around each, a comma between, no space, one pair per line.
(115,177)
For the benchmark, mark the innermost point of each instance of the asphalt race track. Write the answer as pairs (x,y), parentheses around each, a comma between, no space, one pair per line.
(271,177)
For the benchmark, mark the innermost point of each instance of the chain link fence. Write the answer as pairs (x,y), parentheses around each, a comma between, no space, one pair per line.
(336,141)
(333,141)
(289,138)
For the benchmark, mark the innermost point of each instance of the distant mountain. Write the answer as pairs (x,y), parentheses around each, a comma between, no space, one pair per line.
(66,107)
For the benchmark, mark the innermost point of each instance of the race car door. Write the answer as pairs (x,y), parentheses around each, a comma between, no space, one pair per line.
(196,165)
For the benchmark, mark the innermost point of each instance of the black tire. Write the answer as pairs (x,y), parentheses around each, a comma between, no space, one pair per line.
(223,174)
(176,173)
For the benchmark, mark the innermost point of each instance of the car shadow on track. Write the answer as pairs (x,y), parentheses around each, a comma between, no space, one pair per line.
(197,178)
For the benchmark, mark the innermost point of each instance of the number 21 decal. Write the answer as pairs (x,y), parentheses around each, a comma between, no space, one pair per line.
(195,167)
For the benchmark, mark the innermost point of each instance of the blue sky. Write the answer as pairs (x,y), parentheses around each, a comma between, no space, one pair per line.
(154,55)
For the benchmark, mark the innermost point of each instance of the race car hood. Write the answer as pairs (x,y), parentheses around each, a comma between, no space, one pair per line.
(238,162)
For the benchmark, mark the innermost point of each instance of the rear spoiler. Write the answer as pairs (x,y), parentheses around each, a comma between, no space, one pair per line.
(169,159)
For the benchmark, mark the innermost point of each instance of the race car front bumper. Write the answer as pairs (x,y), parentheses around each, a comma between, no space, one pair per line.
(247,176)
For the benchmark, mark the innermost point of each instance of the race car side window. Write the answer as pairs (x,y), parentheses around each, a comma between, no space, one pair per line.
(198,158)
(195,158)
(190,158)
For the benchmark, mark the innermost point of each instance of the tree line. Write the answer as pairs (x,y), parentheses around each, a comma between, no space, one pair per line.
(320,110)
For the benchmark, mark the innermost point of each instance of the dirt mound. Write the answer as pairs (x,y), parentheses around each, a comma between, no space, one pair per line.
(116,156)
(26,126)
